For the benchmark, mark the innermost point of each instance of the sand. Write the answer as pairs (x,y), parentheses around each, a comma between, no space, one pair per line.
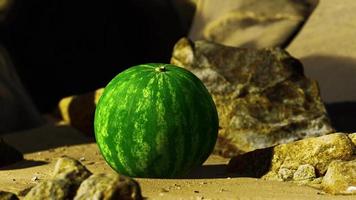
(42,146)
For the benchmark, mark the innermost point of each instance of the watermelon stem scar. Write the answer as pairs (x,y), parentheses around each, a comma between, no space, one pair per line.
(161,69)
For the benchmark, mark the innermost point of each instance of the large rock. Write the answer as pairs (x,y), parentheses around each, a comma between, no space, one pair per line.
(109,187)
(262,96)
(78,111)
(326,46)
(252,23)
(296,159)
(67,176)
(17,109)
(8,154)
(340,177)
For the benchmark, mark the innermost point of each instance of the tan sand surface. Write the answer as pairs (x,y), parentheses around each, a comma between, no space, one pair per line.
(44,145)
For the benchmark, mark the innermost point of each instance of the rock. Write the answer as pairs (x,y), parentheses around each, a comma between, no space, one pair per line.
(67,176)
(262,96)
(253,23)
(340,177)
(17,110)
(286,174)
(295,160)
(55,189)
(78,111)
(8,154)
(5,6)
(353,138)
(71,169)
(7,196)
(107,187)
(326,47)
(304,173)
(317,152)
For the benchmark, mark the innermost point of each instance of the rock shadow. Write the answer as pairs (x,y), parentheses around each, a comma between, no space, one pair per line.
(24,164)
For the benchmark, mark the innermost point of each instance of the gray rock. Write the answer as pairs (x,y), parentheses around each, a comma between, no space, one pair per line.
(7,196)
(252,23)
(109,187)
(262,96)
(340,177)
(8,154)
(67,176)
(304,173)
(299,158)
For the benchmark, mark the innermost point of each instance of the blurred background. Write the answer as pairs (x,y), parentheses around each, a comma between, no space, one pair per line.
(50,49)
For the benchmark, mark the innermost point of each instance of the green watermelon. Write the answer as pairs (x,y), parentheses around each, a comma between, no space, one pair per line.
(155,120)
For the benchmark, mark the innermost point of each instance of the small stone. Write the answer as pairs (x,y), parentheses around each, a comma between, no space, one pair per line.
(196,191)
(340,177)
(304,172)
(34,178)
(7,196)
(164,190)
(69,168)
(81,159)
(318,152)
(109,187)
(285,174)
(57,189)
(67,176)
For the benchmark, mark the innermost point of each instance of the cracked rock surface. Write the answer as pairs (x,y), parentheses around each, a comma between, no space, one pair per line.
(262,96)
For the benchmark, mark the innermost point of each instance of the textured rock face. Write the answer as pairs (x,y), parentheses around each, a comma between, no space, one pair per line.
(56,189)
(325,162)
(340,177)
(109,187)
(8,154)
(253,23)
(353,138)
(262,96)
(7,196)
(71,169)
(317,152)
(68,175)
(71,180)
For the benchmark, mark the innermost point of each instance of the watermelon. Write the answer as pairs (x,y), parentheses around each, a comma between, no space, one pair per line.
(155,120)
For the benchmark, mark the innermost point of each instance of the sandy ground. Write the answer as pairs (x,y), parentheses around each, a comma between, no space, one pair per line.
(44,145)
